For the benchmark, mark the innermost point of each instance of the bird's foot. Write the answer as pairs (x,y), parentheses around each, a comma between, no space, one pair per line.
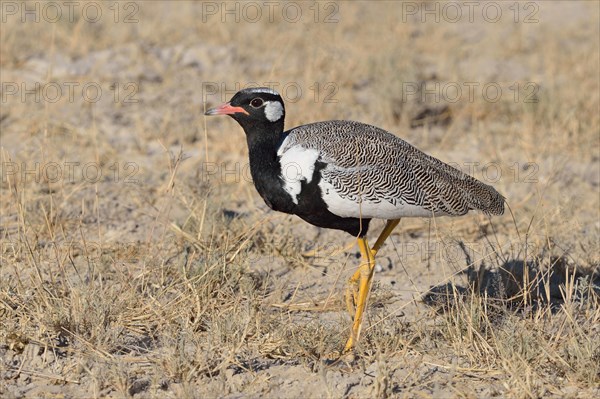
(334,358)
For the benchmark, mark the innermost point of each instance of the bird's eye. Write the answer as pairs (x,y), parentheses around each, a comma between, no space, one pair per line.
(257,102)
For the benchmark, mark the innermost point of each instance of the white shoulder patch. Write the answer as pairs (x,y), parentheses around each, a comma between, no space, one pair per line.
(297,164)
(273,110)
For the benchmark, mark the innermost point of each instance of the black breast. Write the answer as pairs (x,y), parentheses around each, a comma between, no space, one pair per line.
(265,169)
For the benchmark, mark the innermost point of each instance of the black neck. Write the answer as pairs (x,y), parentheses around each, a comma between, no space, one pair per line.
(263,136)
(263,141)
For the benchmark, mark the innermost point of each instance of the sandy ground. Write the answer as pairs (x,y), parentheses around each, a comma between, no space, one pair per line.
(138,260)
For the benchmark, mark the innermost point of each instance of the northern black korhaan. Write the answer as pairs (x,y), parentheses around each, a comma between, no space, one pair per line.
(341,174)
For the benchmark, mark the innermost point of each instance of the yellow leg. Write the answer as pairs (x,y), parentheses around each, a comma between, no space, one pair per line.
(365,271)
(352,287)
(385,233)
(362,279)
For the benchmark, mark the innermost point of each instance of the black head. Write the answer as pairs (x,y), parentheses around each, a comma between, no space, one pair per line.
(258,106)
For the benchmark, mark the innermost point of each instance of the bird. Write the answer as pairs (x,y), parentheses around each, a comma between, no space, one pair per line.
(341,174)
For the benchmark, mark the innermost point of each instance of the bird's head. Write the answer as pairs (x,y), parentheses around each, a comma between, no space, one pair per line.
(251,107)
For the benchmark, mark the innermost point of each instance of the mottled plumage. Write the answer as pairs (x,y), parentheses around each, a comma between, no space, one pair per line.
(367,164)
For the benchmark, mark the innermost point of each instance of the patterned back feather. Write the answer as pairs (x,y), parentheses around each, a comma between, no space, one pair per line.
(367,163)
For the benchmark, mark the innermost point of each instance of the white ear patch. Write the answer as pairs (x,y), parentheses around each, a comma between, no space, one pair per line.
(273,110)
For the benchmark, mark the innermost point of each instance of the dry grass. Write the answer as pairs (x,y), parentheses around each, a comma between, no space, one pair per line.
(165,280)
